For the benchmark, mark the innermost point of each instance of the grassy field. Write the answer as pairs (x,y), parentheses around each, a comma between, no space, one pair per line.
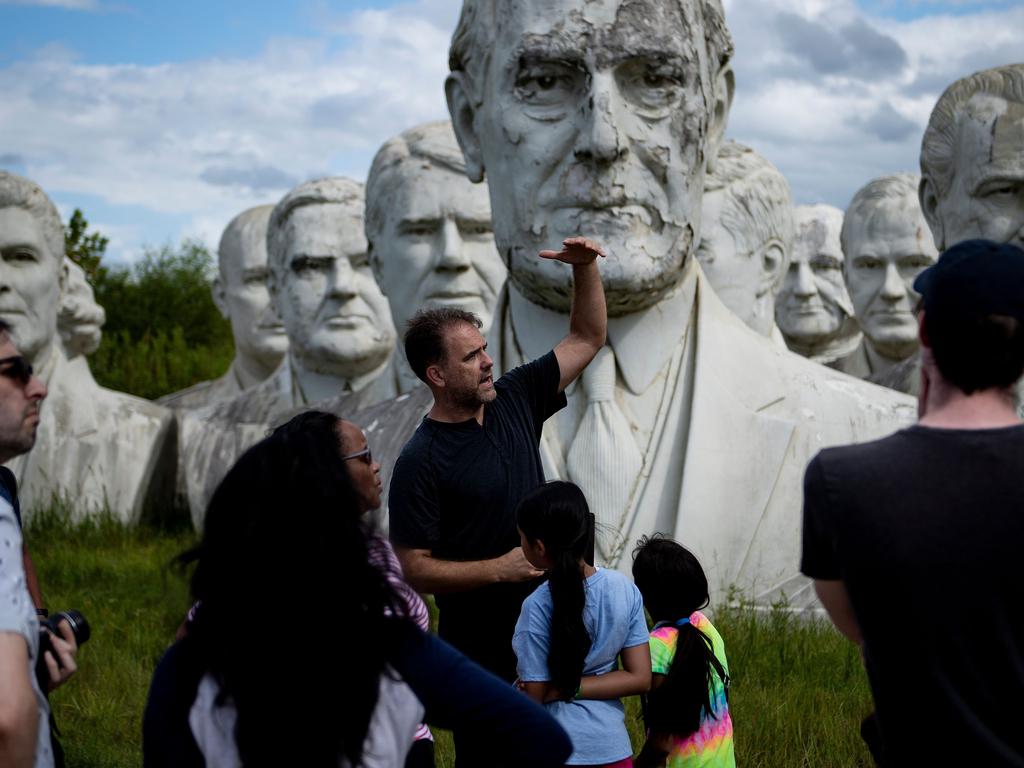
(798,690)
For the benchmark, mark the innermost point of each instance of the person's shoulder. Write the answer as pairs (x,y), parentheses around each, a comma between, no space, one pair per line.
(838,457)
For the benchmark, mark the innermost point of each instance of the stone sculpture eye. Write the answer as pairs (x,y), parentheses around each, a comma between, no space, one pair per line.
(546,84)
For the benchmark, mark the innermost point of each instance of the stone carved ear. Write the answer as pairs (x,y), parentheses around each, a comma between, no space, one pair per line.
(774,262)
(219,297)
(725,88)
(929,200)
(463,114)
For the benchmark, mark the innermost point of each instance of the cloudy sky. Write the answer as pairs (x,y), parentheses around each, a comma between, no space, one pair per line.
(162,120)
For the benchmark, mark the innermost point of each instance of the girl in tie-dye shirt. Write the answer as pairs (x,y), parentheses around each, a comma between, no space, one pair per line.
(687,710)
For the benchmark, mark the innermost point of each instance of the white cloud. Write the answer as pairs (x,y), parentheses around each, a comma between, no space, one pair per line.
(834,97)
(72,5)
(198,141)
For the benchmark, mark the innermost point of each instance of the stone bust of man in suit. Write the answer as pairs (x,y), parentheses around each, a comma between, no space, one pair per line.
(601,119)
(96,449)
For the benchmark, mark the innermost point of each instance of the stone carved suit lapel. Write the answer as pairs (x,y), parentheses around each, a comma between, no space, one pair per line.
(735,449)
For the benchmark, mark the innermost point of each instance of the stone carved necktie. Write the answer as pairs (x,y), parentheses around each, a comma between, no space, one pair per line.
(604,459)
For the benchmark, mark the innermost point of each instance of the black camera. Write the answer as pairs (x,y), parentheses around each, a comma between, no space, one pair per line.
(79,628)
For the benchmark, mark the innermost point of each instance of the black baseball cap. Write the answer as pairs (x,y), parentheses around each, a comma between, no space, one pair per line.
(973,279)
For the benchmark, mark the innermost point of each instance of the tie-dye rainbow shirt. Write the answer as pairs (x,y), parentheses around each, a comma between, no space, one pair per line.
(711,746)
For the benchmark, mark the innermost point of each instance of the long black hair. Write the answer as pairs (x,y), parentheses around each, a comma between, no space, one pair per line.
(673,586)
(557,514)
(291,617)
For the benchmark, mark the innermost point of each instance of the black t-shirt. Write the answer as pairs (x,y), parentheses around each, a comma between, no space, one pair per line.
(454,491)
(926,530)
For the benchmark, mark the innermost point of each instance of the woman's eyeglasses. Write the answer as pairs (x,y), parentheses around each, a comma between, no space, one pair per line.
(364,454)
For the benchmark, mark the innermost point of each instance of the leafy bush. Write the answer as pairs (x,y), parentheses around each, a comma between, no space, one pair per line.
(163,331)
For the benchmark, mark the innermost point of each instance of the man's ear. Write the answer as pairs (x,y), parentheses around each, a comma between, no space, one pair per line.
(774,262)
(725,88)
(929,199)
(463,114)
(219,297)
(435,375)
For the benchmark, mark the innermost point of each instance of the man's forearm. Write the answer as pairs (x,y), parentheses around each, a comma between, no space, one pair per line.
(433,575)
(588,318)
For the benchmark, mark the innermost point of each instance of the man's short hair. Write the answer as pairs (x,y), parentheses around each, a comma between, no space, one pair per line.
(871,196)
(758,206)
(973,299)
(332,190)
(939,144)
(472,41)
(425,336)
(18,192)
(430,144)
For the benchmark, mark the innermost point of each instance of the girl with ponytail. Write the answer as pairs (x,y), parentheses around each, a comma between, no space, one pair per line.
(687,710)
(574,628)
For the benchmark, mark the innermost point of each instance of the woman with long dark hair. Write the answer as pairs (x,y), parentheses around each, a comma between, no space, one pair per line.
(301,650)
(574,628)
(687,710)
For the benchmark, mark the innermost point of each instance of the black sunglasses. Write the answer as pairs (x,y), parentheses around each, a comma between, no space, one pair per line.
(364,454)
(16,368)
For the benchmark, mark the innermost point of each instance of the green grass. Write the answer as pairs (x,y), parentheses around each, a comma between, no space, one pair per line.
(798,688)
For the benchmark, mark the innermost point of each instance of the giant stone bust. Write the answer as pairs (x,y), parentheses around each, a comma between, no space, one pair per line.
(240,293)
(600,118)
(747,218)
(96,449)
(429,231)
(886,244)
(340,335)
(972,160)
(813,308)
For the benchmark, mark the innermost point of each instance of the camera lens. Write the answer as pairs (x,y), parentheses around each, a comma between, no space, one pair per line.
(79,626)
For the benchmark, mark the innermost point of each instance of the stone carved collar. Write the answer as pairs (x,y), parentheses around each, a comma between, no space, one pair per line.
(643,342)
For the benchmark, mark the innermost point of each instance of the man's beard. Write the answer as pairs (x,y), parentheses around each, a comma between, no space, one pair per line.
(471,399)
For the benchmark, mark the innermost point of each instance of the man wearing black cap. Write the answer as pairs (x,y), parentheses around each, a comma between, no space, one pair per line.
(914,541)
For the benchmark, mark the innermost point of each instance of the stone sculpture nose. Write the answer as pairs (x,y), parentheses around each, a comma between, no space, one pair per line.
(600,132)
(341,278)
(453,257)
(805,285)
(893,288)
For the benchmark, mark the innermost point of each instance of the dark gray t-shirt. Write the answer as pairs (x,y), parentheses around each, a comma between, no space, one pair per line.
(926,530)
(455,490)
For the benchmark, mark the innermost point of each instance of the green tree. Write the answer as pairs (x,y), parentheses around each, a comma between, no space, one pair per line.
(163,331)
(84,248)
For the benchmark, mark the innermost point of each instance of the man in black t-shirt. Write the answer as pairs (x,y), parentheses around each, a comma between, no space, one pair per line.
(457,483)
(914,541)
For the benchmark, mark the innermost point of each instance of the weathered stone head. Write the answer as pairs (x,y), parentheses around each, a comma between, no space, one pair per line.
(813,309)
(972,160)
(429,228)
(80,320)
(32,272)
(321,285)
(886,243)
(747,220)
(240,291)
(592,118)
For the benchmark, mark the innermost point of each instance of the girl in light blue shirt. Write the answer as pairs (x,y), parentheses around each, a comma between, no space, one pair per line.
(575,627)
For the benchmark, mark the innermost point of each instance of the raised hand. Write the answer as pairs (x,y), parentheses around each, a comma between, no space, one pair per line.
(575,250)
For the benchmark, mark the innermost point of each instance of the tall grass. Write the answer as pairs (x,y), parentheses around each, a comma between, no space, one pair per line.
(798,688)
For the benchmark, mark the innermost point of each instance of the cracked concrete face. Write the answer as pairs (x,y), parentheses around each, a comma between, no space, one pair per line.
(594,119)
(887,243)
(812,308)
(430,228)
(986,199)
(30,282)
(337,320)
(241,293)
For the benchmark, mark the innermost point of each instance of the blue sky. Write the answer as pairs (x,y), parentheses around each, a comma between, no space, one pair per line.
(163,120)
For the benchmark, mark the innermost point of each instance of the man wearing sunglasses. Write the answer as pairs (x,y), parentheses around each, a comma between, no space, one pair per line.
(24,711)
